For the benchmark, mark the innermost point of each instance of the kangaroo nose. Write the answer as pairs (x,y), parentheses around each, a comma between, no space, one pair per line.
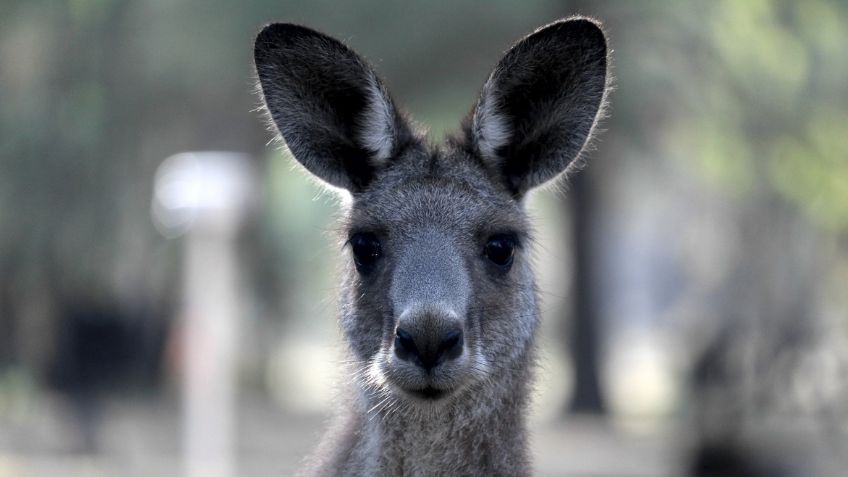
(428,350)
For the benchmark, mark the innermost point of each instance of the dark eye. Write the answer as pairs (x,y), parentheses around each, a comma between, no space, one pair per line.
(499,250)
(366,250)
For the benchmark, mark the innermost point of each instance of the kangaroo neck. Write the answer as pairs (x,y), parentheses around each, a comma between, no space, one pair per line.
(482,432)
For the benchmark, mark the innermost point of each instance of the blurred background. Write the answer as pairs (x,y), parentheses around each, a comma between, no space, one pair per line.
(166,310)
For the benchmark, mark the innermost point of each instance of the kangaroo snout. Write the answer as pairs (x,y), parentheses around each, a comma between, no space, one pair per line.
(430,347)
(428,336)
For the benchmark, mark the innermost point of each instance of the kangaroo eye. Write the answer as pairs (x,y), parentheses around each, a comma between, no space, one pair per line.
(366,250)
(499,250)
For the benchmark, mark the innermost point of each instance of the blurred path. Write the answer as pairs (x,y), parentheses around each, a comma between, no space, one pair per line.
(142,438)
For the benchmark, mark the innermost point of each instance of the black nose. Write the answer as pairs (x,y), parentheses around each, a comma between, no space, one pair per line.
(428,350)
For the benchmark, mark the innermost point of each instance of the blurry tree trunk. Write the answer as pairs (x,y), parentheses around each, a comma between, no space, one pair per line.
(583,330)
(584,335)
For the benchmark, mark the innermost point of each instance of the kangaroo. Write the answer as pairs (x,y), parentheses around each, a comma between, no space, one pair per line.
(438,303)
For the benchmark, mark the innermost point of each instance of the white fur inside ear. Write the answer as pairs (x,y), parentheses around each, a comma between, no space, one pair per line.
(489,126)
(377,123)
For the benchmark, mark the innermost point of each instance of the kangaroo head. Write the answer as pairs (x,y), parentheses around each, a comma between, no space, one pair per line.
(438,296)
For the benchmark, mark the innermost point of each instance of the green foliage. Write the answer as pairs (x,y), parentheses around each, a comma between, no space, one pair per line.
(772,112)
(813,170)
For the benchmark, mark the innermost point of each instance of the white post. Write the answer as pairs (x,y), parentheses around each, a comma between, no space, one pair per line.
(204,196)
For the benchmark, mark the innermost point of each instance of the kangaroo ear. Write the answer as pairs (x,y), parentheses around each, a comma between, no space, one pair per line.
(328,104)
(540,104)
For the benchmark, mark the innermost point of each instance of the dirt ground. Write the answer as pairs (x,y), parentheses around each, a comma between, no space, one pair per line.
(143,438)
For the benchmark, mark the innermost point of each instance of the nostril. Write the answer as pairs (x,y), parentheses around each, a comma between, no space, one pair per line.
(430,350)
(451,346)
(404,345)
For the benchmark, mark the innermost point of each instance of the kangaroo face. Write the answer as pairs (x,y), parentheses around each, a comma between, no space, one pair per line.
(438,296)
(438,275)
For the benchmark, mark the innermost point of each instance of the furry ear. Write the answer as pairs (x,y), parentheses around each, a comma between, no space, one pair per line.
(539,106)
(328,104)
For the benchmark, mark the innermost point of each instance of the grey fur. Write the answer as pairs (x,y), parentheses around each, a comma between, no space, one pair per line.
(433,209)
